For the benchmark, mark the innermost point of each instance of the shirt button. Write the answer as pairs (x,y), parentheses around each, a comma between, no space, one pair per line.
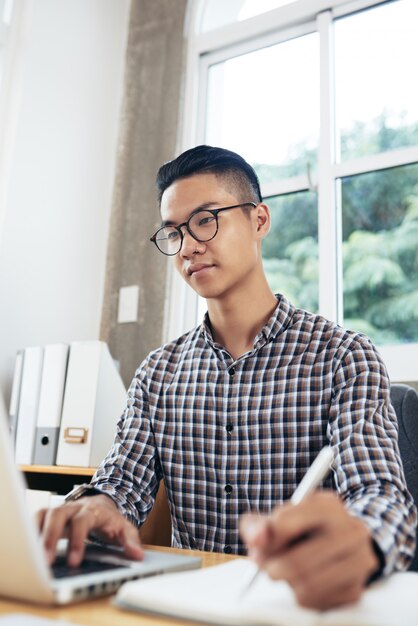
(228,488)
(229,428)
(231,372)
(227,549)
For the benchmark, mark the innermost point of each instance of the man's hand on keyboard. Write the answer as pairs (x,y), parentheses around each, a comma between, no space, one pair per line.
(77,519)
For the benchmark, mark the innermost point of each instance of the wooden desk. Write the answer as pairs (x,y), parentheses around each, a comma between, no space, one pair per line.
(101,612)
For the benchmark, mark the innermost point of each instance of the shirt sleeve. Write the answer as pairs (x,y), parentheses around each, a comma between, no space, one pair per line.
(131,471)
(368,469)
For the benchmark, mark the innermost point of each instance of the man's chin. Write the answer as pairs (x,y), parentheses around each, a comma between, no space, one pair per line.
(206,292)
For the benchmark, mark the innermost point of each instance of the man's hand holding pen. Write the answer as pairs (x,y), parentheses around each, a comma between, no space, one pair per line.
(323,552)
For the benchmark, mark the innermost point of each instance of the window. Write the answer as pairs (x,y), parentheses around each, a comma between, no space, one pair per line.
(376,95)
(320,98)
(218,12)
(290,251)
(282,145)
(380,254)
(268,86)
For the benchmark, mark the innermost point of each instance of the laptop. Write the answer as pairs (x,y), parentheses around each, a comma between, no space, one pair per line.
(24,572)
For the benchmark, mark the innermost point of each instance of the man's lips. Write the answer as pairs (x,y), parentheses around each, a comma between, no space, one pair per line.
(194,268)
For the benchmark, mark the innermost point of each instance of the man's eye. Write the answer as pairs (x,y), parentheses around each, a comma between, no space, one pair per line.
(204,221)
(173,235)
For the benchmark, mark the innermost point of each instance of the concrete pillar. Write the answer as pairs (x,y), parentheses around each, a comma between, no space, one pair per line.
(148,137)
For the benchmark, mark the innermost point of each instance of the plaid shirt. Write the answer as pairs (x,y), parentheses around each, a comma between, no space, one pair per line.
(229,436)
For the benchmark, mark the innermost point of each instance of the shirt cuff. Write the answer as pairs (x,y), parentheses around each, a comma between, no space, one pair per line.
(80,491)
(382,563)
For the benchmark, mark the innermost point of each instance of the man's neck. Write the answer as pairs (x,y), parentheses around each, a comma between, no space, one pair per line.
(237,320)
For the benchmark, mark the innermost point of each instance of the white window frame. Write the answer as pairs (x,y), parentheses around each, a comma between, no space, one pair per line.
(205,49)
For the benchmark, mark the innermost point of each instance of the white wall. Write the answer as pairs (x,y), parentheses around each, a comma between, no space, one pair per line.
(54,231)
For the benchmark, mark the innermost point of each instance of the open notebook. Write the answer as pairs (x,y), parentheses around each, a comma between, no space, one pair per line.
(213,595)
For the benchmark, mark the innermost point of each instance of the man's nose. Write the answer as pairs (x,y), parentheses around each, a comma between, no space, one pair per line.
(189,245)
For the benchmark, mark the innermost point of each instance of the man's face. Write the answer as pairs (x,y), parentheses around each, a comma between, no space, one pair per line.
(213,268)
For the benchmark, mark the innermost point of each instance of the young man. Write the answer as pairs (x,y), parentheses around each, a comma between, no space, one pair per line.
(233,413)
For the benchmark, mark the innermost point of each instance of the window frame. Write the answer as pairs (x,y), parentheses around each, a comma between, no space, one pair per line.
(293,20)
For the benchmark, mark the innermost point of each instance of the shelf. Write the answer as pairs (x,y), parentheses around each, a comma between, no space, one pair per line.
(56,478)
(58,469)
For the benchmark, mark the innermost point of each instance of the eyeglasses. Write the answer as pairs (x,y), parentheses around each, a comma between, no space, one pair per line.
(202,225)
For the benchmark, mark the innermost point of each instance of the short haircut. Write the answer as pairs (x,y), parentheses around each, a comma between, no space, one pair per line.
(227,165)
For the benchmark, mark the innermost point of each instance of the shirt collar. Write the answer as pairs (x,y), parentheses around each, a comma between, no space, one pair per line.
(278,322)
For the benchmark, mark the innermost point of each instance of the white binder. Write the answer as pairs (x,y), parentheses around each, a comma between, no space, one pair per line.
(28,404)
(15,395)
(94,399)
(50,403)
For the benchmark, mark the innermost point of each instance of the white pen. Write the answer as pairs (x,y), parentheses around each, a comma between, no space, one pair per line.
(312,479)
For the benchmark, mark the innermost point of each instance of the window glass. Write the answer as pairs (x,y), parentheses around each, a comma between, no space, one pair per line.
(376,88)
(218,13)
(255,7)
(290,250)
(265,106)
(380,254)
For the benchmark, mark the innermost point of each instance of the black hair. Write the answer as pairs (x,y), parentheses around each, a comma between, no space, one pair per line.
(207,159)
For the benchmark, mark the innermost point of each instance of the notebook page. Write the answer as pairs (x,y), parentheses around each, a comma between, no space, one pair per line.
(390,602)
(214,595)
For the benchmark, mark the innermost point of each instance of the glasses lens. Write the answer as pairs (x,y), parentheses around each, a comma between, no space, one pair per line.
(203,225)
(168,240)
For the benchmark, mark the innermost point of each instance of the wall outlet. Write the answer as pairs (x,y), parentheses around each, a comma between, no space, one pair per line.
(128,304)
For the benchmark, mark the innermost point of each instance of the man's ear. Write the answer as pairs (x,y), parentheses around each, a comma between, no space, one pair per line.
(262,219)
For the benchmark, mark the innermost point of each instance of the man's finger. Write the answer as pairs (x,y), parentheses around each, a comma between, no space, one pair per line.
(319,549)
(54,527)
(39,518)
(131,543)
(290,523)
(85,520)
(256,532)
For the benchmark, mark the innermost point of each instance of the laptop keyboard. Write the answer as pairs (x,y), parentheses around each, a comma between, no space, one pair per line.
(60,568)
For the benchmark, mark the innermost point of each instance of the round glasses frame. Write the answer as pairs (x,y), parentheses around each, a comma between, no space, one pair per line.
(179,227)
